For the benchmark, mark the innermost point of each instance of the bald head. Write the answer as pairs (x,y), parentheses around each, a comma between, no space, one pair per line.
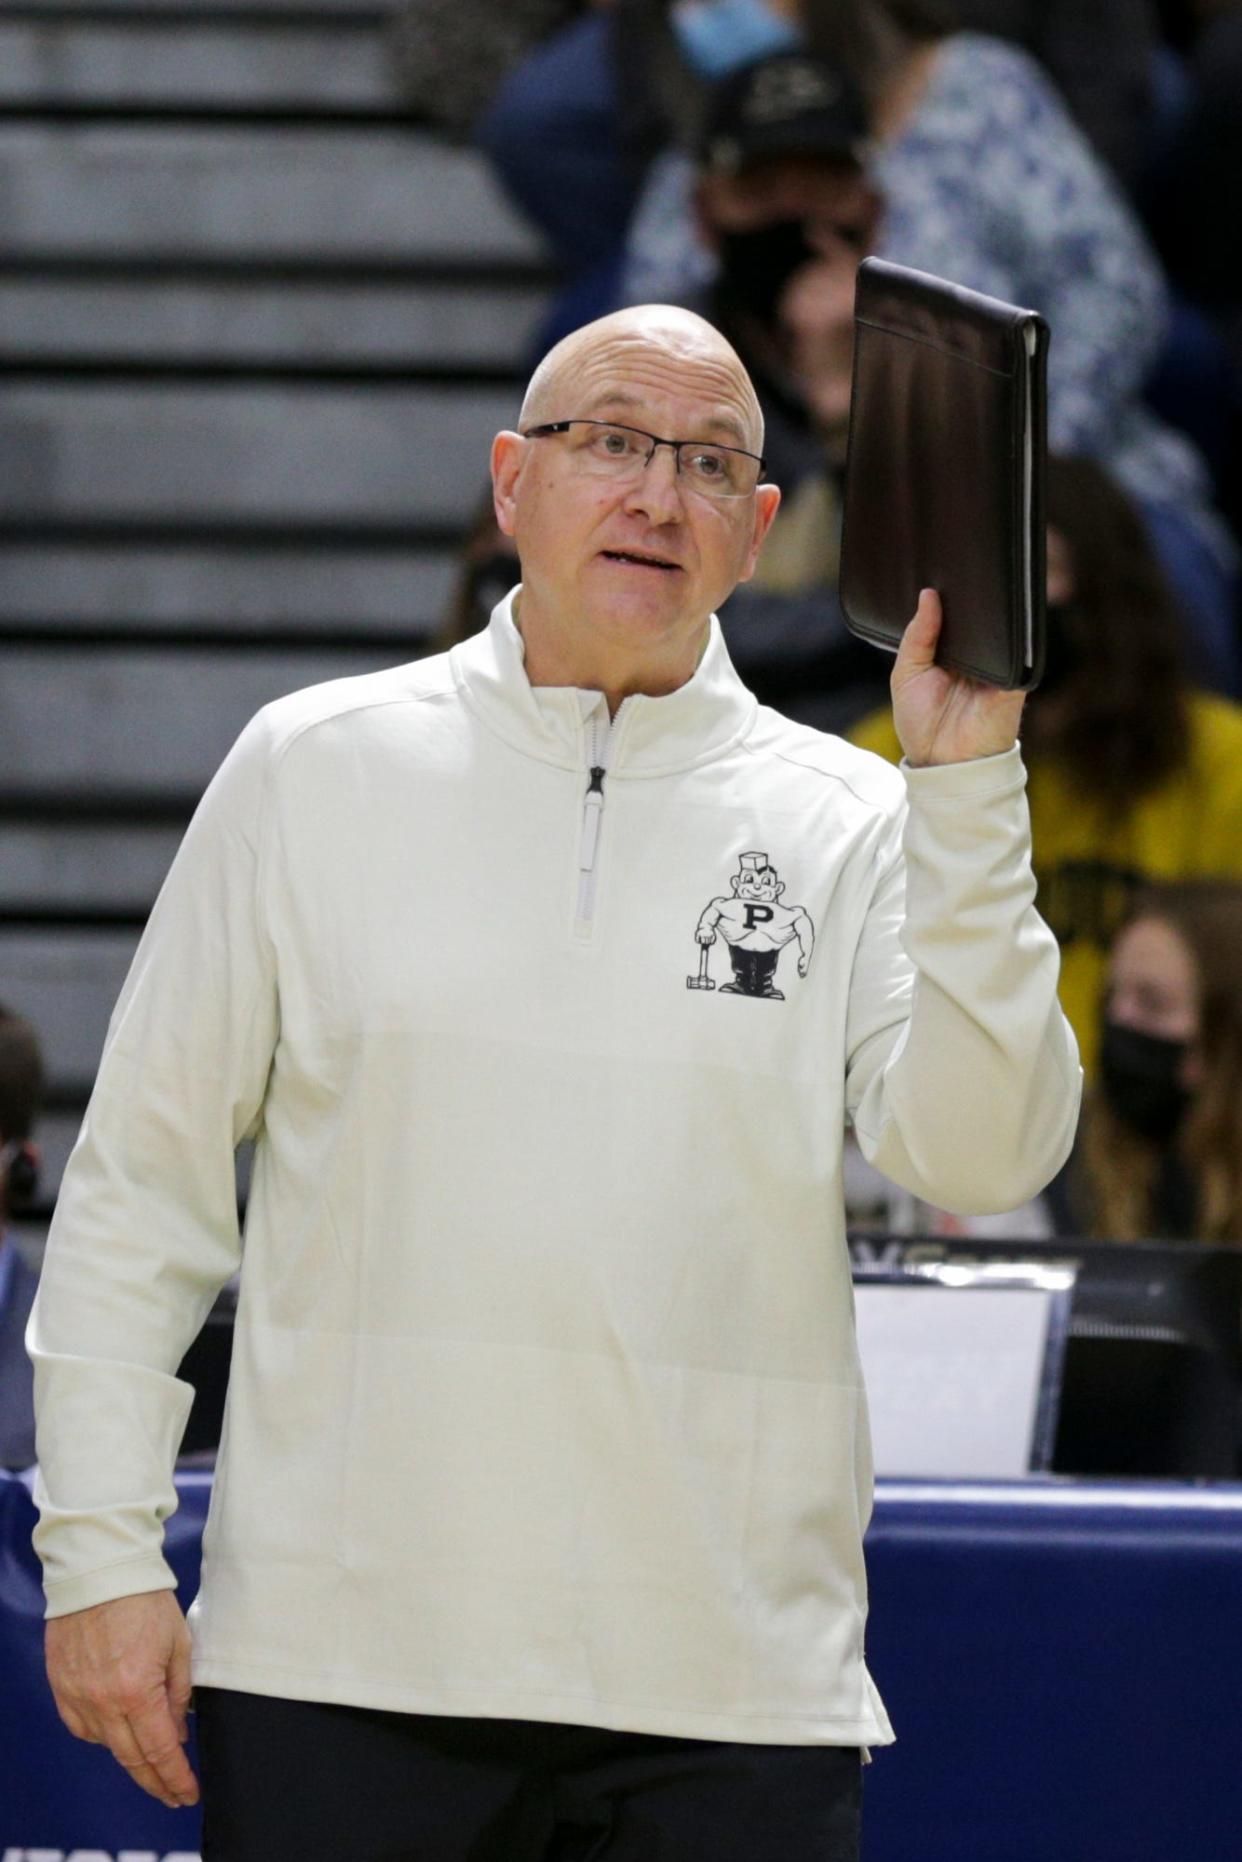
(625,557)
(593,360)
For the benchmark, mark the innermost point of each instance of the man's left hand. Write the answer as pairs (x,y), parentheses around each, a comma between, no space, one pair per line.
(942,716)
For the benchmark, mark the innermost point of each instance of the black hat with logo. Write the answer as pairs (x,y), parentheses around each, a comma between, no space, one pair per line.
(786,104)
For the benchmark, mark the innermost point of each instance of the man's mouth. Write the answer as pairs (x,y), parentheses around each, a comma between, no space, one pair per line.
(642,560)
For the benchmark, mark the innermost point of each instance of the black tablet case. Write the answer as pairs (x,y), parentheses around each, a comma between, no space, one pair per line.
(944,477)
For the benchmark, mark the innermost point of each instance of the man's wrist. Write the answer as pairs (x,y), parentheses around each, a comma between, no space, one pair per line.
(949,762)
(968,776)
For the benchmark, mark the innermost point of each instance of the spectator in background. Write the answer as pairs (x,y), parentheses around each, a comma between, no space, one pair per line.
(1135,776)
(1160,1148)
(555,135)
(781,190)
(571,130)
(21,1084)
(1101,56)
(986,180)
(570,101)
(782,198)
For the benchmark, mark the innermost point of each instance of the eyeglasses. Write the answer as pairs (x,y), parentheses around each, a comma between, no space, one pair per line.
(625,453)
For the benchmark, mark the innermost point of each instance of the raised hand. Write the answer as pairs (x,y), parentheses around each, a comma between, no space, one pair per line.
(942,716)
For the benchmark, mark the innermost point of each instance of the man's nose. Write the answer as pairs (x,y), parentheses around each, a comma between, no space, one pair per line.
(656,492)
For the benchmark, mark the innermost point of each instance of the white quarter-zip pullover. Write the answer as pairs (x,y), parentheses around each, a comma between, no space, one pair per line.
(545,1400)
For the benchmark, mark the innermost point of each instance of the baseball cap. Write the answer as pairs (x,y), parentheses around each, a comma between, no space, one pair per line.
(785,104)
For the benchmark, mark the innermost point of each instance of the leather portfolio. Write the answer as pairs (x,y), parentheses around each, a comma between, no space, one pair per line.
(944,477)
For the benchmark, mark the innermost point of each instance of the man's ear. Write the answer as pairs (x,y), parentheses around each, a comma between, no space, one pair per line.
(767,499)
(508,453)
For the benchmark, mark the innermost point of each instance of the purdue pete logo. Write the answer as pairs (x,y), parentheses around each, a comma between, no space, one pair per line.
(755,928)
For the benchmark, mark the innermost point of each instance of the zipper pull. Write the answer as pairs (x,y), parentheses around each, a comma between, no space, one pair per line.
(592,809)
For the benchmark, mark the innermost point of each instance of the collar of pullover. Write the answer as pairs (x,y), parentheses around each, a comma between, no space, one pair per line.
(651,736)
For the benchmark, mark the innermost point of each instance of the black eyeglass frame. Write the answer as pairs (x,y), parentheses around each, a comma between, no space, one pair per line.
(586,420)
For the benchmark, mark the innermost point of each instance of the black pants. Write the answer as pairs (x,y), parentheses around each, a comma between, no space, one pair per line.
(292,1781)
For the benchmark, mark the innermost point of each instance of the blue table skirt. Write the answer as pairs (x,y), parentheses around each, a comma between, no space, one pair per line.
(1062,1661)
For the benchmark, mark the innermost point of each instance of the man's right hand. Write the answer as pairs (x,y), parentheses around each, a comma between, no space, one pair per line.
(120,1674)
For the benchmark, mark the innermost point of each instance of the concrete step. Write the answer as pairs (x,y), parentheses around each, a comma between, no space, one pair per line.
(236,452)
(155,721)
(252,193)
(69,62)
(66,984)
(306,324)
(225,589)
(62,867)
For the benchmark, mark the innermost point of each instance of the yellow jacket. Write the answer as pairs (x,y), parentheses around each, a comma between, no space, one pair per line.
(1091,863)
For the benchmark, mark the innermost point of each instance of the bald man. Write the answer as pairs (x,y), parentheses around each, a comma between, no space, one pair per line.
(536,1529)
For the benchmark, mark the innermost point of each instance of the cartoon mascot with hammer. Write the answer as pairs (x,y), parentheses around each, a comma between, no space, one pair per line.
(756,928)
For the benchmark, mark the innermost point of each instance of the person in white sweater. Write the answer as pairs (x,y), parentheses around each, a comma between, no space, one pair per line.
(545,1466)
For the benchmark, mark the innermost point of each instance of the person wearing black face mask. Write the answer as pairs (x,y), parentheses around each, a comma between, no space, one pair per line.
(1160,1149)
(784,199)
(1148,1037)
(782,188)
(1141,1077)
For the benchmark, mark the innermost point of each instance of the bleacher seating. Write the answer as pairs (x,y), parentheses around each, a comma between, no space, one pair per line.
(256,332)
